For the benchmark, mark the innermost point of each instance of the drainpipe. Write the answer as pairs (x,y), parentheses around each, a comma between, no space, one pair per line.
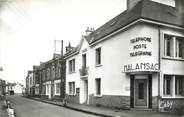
(159,62)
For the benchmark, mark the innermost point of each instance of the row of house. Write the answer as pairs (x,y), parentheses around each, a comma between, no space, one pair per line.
(2,87)
(14,88)
(135,60)
(48,79)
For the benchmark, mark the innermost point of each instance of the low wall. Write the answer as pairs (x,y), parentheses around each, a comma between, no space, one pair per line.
(173,106)
(72,98)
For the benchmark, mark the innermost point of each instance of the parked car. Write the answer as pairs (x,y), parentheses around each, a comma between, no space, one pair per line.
(11,92)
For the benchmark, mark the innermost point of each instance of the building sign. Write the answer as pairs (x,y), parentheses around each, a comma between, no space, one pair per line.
(139,46)
(165,105)
(141,55)
(141,66)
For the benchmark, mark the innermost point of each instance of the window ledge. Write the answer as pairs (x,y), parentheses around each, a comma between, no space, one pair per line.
(172,58)
(173,97)
(72,94)
(72,72)
(57,94)
(99,65)
(98,96)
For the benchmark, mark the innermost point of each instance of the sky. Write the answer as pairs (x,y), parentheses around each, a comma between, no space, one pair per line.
(28,29)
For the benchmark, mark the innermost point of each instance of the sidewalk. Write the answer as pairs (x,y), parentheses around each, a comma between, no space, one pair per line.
(107,112)
(3,112)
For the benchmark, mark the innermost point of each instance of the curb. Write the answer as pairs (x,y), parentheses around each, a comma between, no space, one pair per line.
(76,109)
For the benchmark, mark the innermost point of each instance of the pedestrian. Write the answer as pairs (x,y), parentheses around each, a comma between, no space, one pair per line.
(64,101)
(7,103)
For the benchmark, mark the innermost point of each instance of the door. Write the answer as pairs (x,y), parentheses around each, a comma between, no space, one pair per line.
(49,90)
(52,90)
(85,91)
(141,95)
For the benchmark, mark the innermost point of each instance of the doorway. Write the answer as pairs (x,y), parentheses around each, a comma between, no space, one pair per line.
(85,91)
(141,93)
(52,90)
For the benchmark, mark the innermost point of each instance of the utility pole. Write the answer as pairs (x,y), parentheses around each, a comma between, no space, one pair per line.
(1,68)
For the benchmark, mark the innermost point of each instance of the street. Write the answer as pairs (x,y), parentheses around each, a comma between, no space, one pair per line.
(30,108)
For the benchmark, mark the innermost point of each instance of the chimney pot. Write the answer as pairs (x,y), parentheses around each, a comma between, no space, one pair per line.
(89,30)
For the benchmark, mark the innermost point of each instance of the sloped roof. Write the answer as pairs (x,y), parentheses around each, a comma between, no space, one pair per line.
(76,49)
(145,9)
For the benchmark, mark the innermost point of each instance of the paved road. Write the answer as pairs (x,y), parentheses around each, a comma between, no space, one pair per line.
(29,108)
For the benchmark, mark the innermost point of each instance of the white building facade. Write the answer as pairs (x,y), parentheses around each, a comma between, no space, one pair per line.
(133,61)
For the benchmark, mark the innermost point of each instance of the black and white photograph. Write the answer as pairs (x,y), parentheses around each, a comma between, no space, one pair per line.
(91,58)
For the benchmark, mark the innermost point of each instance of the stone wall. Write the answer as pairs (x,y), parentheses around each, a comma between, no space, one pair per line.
(72,98)
(155,103)
(121,102)
(44,96)
(57,97)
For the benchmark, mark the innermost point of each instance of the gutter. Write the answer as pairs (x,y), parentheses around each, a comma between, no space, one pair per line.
(71,55)
(159,62)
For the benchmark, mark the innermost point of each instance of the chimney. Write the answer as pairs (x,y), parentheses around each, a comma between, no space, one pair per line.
(89,30)
(179,4)
(69,48)
(131,3)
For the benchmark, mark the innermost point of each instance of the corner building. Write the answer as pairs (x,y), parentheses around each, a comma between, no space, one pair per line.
(136,60)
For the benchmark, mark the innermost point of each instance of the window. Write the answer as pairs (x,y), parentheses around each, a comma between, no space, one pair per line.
(179,85)
(58,71)
(173,84)
(48,89)
(168,45)
(98,86)
(173,46)
(167,85)
(43,89)
(53,72)
(179,47)
(30,81)
(98,56)
(84,60)
(71,87)
(57,88)
(48,73)
(37,90)
(43,74)
(141,90)
(72,66)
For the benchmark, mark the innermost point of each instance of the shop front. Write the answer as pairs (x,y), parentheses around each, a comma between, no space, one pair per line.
(142,67)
